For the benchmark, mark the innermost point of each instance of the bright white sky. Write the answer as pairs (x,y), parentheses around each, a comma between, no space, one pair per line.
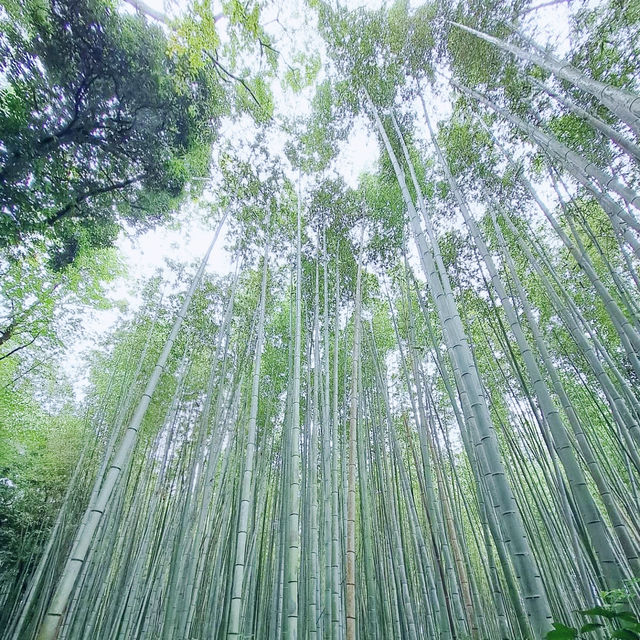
(148,253)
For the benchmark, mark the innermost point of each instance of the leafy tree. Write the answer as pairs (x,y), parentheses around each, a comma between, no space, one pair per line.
(100,125)
(38,305)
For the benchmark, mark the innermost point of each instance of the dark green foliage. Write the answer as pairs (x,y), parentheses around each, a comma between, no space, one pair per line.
(99,124)
(613,618)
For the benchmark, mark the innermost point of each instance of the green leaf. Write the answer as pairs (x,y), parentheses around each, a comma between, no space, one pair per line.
(627,615)
(561,632)
(590,626)
(626,634)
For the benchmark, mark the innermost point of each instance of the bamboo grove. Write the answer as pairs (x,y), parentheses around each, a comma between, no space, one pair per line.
(412,410)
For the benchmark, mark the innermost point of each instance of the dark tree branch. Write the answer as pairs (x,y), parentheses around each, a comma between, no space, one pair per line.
(234,77)
(61,213)
(37,363)
(8,332)
(20,347)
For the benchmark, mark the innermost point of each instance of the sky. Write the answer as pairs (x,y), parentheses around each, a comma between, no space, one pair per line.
(148,253)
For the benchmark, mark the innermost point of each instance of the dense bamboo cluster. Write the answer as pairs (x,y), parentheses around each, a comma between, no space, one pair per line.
(335,444)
